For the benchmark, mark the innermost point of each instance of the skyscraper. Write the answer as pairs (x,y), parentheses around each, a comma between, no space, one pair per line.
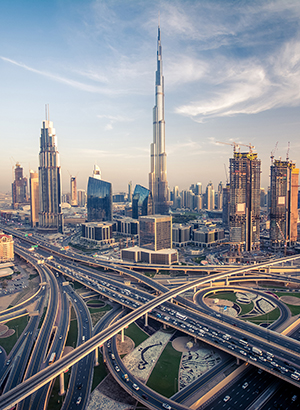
(81,197)
(283,203)
(142,202)
(73,191)
(50,214)
(210,197)
(155,232)
(99,198)
(34,198)
(158,184)
(19,188)
(244,211)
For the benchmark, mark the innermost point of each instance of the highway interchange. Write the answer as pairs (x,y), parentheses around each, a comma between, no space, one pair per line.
(163,304)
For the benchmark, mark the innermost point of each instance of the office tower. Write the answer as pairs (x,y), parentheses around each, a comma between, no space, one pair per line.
(81,198)
(158,184)
(99,198)
(198,189)
(190,199)
(142,202)
(225,206)
(283,203)
(34,198)
(220,196)
(19,188)
(198,202)
(210,197)
(96,172)
(244,214)
(50,214)
(6,247)
(262,197)
(155,232)
(129,198)
(73,191)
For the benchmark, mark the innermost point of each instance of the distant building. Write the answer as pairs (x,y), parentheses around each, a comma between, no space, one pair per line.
(97,232)
(220,196)
(155,232)
(129,196)
(19,188)
(50,213)
(181,235)
(127,226)
(225,206)
(6,248)
(162,257)
(73,191)
(244,215)
(208,236)
(210,197)
(283,203)
(99,199)
(142,202)
(119,197)
(34,198)
(81,198)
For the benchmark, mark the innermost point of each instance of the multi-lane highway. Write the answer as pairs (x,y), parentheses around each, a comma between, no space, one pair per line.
(194,323)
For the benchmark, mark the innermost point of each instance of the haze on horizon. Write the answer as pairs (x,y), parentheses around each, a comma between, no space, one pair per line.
(231,68)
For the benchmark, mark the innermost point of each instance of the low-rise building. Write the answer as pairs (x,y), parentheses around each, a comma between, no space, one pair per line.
(161,257)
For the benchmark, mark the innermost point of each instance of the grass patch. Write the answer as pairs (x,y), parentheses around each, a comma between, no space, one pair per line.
(32,276)
(42,318)
(101,309)
(246,308)
(295,310)
(95,301)
(224,295)
(265,318)
(136,334)
(100,372)
(18,325)
(279,294)
(72,334)
(77,285)
(164,376)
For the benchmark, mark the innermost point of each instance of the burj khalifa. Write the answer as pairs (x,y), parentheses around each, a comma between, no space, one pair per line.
(158,184)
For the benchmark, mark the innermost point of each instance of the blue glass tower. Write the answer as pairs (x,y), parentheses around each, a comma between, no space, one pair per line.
(142,202)
(99,200)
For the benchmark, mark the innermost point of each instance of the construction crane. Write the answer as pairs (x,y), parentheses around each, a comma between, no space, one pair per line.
(273,152)
(288,151)
(226,174)
(233,144)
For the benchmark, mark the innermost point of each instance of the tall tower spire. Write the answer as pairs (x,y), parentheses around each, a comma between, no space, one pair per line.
(158,184)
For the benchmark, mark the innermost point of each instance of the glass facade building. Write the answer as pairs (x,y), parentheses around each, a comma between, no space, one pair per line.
(142,202)
(99,200)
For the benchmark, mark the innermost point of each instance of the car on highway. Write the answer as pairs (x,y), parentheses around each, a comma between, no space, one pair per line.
(79,386)
(135,387)
(166,406)
(145,397)
(294,398)
(117,368)
(78,401)
(226,398)
(245,385)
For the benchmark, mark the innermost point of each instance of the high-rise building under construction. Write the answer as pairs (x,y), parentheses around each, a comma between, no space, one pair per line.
(283,203)
(158,184)
(244,208)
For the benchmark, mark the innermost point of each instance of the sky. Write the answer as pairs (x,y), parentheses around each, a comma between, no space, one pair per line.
(232,74)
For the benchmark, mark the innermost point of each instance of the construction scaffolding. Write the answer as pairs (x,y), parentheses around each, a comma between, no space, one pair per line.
(283,203)
(244,215)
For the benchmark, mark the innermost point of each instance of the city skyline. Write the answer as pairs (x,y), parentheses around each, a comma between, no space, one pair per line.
(231,74)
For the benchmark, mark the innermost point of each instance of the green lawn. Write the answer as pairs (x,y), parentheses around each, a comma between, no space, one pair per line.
(18,325)
(223,295)
(246,308)
(136,334)
(266,318)
(72,334)
(164,376)
(100,372)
